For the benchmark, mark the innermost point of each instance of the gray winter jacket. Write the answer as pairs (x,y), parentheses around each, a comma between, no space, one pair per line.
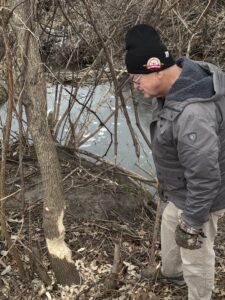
(188,141)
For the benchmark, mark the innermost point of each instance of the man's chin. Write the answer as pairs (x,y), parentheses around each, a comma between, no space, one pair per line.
(145,95)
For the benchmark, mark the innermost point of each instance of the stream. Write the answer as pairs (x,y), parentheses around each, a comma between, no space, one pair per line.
(99,143)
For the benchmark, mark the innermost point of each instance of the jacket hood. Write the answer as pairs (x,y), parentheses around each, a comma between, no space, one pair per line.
(198,80)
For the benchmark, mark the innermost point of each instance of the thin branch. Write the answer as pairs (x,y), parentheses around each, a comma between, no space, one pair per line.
(170,7)
(112,70)
(210,3)
(180,18)
(123,170)
(138,121)
(11,195)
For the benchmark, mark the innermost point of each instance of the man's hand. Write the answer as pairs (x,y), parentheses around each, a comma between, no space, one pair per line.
(188,237)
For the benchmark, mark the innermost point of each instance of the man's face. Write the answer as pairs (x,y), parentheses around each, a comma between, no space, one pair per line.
(151,85)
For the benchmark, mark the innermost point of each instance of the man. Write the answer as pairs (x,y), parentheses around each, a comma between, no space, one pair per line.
(188,146)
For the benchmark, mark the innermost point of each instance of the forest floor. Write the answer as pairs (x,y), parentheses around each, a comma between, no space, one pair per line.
(104,208)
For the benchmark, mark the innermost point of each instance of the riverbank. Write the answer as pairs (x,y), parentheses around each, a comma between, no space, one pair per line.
(104,207)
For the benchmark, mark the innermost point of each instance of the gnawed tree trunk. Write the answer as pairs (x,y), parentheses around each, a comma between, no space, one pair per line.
(34,99)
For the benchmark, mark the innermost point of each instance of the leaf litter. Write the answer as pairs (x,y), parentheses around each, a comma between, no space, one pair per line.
(92,243)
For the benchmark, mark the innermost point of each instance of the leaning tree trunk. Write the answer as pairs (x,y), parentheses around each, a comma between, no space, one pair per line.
(34,99)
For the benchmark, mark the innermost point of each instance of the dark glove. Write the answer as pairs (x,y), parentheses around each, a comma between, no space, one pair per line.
(160,192)
(188,237)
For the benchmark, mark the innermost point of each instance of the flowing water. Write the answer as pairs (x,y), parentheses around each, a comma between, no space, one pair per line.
(99,143)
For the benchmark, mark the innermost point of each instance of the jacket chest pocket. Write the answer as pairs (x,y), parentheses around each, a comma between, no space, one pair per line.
(164,133)
(171,180)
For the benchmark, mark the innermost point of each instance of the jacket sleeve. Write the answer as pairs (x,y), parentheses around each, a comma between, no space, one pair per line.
(198,151)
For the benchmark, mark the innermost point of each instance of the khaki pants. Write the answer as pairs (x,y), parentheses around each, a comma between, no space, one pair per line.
(197,266)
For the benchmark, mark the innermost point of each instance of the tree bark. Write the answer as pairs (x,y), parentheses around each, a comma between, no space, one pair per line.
(35,102)
(4,18)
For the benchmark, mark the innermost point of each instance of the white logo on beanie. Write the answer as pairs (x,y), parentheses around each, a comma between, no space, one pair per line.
(153,64)
(167,54)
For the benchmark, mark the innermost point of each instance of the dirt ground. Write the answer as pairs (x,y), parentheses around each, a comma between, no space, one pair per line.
(104,208)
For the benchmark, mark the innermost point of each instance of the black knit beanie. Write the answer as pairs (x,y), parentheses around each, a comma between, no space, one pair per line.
(145,51)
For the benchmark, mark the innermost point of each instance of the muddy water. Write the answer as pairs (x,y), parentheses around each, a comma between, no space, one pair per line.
(100,142)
